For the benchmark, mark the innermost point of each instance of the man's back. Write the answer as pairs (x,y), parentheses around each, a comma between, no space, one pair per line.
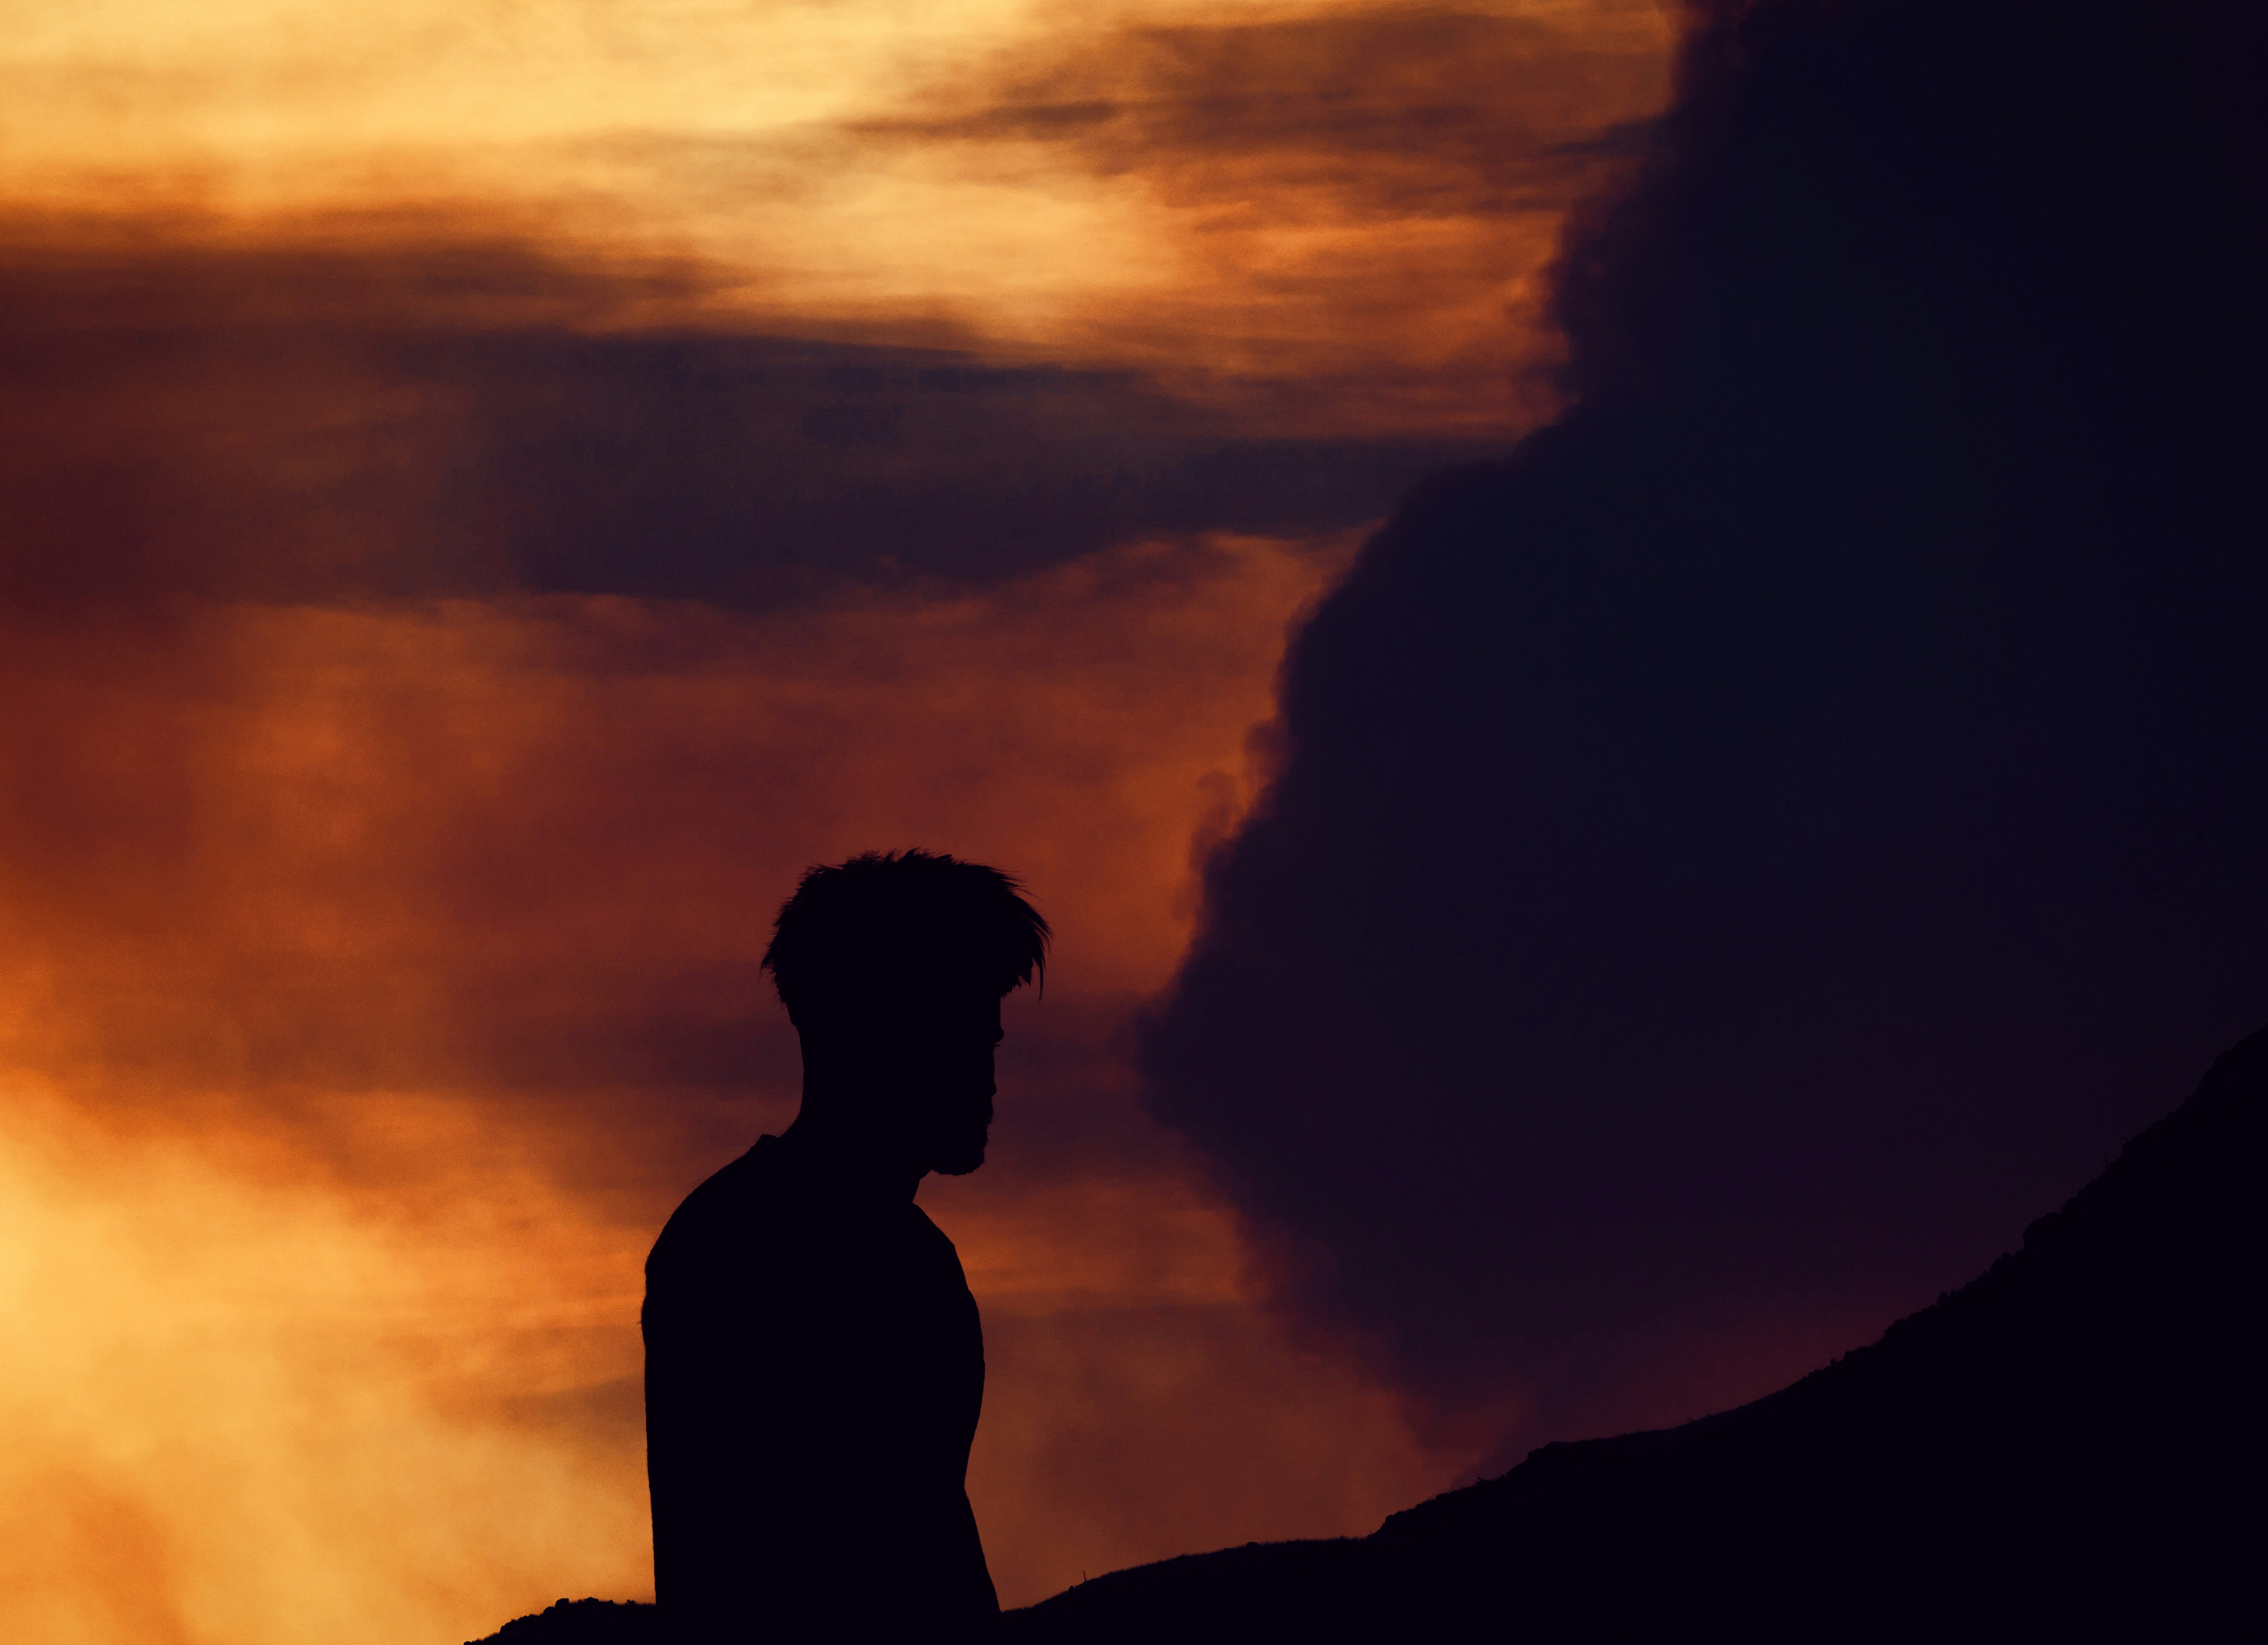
(814,1371)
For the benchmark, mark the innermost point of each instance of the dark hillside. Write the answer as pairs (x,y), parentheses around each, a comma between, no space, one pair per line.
(2059,1446)
(584,1622)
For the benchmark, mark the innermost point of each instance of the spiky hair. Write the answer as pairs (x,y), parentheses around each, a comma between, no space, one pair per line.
(887,919)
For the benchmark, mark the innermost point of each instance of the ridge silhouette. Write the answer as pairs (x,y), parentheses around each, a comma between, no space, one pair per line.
(2055,1448)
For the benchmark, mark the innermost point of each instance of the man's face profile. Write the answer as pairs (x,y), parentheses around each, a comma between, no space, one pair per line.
(924,1068)
(945,1071)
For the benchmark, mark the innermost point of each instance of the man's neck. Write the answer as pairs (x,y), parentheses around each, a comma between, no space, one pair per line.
(842,1153)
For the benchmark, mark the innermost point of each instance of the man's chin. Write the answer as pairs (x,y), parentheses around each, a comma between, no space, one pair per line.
(959,1161)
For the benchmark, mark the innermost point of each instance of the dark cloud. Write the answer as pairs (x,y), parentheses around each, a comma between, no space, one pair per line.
(1422,111)
(1734,861)
(447,416)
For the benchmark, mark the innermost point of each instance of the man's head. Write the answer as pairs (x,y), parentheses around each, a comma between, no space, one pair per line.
(892,966)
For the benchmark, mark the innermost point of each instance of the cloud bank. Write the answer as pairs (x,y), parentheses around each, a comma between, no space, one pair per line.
(1733,861)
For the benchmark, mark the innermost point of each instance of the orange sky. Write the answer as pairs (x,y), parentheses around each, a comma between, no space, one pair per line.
(1320,213)
(378,946)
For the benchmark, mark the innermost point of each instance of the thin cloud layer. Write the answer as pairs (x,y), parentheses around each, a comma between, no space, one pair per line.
(1357,205)
(460,417)
(1736,860)
(1329,220)
(1408,112)
(538,844)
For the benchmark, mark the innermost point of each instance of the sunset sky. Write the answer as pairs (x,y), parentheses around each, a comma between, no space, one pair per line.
(494,490)
(491,490)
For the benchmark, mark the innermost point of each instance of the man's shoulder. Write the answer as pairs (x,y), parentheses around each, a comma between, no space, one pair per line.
(730,1205)
(930,1238)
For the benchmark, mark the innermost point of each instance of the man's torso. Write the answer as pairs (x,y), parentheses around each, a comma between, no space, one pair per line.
(814,1373)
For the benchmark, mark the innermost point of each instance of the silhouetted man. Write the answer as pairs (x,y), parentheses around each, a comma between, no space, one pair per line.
(814,1365)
